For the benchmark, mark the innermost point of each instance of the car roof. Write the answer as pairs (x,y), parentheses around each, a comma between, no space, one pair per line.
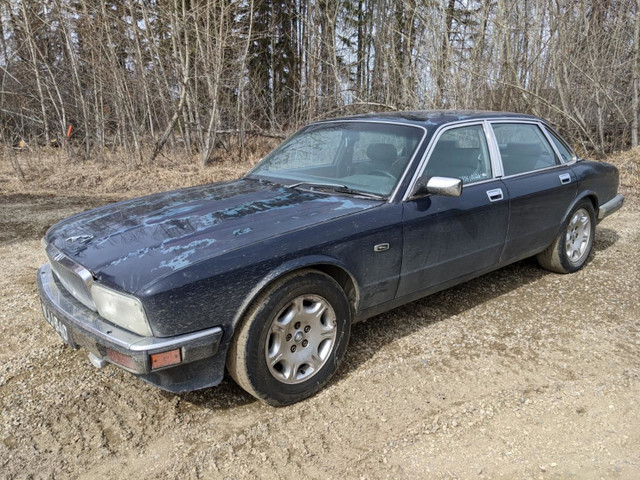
(434,117)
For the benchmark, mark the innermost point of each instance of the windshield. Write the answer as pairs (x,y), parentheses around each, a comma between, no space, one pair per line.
(357,156)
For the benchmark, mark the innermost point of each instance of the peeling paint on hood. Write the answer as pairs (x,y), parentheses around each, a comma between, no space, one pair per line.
(136,241)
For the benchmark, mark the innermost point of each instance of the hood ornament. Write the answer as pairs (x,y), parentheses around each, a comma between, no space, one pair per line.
(79,238)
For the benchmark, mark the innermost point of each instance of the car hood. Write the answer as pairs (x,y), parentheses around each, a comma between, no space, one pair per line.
(131,243)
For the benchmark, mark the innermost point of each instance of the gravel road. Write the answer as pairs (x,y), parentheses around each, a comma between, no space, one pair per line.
(518,374)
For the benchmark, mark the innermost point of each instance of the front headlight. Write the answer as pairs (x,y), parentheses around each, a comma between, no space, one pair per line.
(121,309)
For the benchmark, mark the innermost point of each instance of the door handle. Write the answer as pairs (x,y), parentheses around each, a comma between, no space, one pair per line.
(495,195)
(564,178)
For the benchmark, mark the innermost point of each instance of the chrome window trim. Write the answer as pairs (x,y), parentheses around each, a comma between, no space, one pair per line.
(394,192)
(479,182)
(553,167)
(493,148)
(496,159)
(436,136)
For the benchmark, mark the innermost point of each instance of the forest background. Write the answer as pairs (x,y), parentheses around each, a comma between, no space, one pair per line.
(146,80)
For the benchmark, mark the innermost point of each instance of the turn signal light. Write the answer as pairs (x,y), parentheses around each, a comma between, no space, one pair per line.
(164,359)
(120,358)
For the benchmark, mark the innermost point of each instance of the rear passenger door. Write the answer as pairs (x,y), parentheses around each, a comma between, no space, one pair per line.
(541,187)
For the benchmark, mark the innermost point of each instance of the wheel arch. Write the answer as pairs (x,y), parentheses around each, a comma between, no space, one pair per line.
(555,258)
(325,264)
(587,194)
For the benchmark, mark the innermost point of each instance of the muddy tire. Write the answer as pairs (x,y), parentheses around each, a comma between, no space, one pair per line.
(292,339)
(570,250)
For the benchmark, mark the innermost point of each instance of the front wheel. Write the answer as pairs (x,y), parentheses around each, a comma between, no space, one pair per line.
(569,251)
(292,339)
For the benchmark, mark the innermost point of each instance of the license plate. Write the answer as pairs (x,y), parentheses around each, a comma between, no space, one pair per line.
(57,325)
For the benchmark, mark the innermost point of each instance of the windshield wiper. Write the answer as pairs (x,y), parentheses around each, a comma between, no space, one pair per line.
(338,188)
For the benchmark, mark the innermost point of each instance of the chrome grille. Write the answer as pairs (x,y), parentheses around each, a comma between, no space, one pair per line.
(74,277)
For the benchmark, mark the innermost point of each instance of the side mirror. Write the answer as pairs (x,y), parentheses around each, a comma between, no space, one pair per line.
(445,186)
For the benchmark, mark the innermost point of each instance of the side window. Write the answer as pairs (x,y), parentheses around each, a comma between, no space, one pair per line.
(461,153)
(565,153)
(523,148)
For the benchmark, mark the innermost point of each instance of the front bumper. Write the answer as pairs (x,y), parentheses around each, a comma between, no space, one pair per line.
(85,328)
(611,206)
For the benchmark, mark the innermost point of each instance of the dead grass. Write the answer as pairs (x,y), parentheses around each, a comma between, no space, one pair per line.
(53,171)
(49,170)
(628,162)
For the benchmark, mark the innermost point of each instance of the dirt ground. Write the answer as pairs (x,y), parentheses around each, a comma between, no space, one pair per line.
(518,374)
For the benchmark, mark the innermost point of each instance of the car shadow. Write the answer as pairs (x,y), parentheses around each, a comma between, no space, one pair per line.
(225,396)
(604,239)
(369,337)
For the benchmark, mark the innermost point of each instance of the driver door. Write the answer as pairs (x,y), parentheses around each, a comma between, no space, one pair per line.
(446,238)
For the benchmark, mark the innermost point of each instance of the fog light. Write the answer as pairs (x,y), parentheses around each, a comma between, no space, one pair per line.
(164,359)
(121,359)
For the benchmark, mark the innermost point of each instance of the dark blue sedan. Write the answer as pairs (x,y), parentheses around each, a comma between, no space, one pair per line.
(346,219)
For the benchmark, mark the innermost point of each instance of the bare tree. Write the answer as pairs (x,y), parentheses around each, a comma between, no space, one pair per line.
(143,76)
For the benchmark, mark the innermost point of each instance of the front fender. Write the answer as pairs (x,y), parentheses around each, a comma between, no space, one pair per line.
(217,292)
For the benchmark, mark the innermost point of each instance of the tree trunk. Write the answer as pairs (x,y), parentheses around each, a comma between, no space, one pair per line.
(635,84)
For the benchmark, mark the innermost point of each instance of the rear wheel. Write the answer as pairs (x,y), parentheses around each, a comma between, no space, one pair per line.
(570,250)
(292,339)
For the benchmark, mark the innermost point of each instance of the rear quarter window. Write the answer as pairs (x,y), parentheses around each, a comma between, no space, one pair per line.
(566,154)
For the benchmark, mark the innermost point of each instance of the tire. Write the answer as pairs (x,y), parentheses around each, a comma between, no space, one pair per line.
(570,250)
(292,339)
